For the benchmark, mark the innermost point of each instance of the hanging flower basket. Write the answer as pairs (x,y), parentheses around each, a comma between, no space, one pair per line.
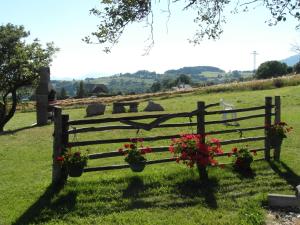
(275,141)
(134,154)
(137,166)
(75,170)
(242,164)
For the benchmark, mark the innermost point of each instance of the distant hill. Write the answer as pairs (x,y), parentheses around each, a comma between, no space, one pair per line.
(292,60)
(195,70)
(143,80)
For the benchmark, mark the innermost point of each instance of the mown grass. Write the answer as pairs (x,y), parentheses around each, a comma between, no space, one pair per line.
(162,194)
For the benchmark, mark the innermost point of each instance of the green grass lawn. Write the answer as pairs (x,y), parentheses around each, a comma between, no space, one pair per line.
(162,194)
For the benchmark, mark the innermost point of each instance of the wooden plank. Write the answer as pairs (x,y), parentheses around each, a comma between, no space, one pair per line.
(242,140)
(251,150)
(233,120)
(56,168)
(235,130)
(123,166)
(268,118)
(124,127)
(118,119)
(235,110)
(277,119)
(212,105)
(110,141)
(116,153)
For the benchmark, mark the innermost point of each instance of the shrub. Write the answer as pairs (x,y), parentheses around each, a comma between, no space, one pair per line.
(278,83)
(271,69)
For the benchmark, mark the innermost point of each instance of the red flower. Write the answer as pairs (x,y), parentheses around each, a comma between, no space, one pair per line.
(132,146)
(126,145)
(171,148)
(120,150)
(60,158)
(234,150)
(229,154)
(254,152)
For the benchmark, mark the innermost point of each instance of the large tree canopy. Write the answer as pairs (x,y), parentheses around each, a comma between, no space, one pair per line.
(19,65)
(116,15)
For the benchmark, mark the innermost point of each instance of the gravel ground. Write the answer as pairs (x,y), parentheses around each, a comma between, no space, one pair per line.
(283,217)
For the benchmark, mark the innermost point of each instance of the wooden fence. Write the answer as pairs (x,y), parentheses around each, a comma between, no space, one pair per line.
(62,131)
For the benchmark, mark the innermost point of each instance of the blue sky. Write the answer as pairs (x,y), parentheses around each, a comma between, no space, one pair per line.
(66,22)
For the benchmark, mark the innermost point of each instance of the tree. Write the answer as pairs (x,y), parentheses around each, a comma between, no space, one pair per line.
(19,65)
(297,68)
(116,15)
(155,87)
(80,90)
(271,69)
(63,93)
(183,79)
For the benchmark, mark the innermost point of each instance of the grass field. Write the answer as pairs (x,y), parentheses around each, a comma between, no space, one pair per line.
(162,194)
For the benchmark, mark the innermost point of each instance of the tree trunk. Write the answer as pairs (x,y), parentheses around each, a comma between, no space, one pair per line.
(7,116)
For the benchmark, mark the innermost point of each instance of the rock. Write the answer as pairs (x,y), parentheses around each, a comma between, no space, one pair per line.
(95,109)
(152,106)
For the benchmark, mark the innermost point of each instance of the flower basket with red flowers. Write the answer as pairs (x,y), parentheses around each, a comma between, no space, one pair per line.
(242,158)
(277,132)
(190,150)
(134,152)
(73,161)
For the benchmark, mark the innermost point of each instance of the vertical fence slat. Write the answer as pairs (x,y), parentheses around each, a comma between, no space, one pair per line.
(201,130)
(268,115)
(56,168)
(65,128)
(277,120)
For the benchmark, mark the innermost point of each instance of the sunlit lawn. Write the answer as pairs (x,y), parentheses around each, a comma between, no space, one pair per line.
(162,194)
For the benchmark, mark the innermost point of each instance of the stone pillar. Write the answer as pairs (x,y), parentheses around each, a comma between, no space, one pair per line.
(42,97)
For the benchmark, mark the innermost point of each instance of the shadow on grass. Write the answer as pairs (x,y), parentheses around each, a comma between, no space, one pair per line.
(18,129)
(43,202)
(114,194)
(285,172)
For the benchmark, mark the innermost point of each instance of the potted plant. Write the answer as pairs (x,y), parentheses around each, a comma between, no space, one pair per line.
(242,158)
(190,150)
(134,154)
(73,162)
(277,132)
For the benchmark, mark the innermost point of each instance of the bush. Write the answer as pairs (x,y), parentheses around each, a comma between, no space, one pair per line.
(271,69)
(278,83)
(297,67)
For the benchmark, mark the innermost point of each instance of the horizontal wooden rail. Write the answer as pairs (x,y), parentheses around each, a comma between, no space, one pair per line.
(235,119)
(123,166)
(235,110)
(235,130)
(116,153)
(124,127)
(118,119)
(242,140)
(120,140)
(115,167)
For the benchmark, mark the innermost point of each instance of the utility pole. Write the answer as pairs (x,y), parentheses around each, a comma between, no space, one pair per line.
(254,53)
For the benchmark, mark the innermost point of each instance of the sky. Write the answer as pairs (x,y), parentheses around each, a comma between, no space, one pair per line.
(66,22)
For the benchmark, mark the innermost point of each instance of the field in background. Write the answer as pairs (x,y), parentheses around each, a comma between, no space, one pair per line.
(162,194)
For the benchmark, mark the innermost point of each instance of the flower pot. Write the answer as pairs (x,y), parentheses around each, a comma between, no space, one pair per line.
(275,141)
(137,166)
(75,170)
(242,164)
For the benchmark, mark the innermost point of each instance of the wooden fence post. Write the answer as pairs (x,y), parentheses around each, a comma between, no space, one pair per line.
(201,130)
(56,168)
(268,115)
(65,128)
(277,120)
